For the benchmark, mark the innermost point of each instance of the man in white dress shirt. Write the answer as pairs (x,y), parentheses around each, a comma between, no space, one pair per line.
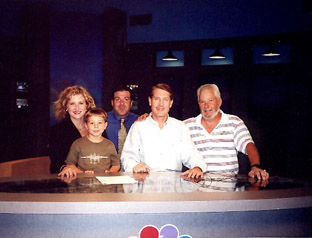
(161,143)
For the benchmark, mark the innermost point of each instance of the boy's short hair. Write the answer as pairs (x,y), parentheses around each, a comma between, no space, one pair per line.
(95,111)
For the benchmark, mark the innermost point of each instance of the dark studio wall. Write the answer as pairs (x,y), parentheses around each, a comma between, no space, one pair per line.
(94,45)
(26,59)
(76,54)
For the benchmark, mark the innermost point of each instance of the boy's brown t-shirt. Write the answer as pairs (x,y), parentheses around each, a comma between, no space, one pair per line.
(88,155)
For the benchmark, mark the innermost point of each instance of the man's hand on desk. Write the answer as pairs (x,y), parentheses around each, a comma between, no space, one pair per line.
(258,173)
(193,180)
(140,176)
(195,172)
(140,168)
(257,183)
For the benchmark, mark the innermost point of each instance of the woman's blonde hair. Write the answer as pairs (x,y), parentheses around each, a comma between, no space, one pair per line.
(60,105)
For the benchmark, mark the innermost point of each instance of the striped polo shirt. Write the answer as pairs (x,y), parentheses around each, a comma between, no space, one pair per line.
(219,148)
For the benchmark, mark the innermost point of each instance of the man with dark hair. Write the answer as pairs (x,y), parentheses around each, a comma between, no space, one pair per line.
(120,118)
(161,143)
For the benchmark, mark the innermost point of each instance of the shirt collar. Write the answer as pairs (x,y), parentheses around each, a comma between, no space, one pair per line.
(155,122)
(117,117)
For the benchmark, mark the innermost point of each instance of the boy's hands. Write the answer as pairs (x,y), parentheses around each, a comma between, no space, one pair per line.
(67,172)
(89,172)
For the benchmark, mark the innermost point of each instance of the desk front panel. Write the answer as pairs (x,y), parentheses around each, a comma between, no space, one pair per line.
(214,207)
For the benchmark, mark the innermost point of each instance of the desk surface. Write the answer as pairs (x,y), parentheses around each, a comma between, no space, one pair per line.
(215,193)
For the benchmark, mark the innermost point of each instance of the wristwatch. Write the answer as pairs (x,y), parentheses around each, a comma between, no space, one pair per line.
(256,165)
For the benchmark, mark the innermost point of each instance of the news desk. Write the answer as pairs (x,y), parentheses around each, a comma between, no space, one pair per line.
(216,206)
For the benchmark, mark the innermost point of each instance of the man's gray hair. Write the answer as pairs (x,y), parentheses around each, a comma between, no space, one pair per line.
(214,87)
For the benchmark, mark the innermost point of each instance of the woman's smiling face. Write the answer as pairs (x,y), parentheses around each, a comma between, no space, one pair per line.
(76,107)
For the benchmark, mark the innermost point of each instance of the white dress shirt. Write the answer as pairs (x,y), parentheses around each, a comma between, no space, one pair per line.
(160,149)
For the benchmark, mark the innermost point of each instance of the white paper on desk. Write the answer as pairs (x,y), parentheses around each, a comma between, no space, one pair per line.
(116,179)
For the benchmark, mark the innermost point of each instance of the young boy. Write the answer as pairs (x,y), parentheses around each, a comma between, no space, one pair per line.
(92,153)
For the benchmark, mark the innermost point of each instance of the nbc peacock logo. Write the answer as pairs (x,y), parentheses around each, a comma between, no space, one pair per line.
(166,231)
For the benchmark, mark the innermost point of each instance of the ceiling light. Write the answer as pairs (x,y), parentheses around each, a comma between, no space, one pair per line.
(216,55)
(271,52)
(170,57)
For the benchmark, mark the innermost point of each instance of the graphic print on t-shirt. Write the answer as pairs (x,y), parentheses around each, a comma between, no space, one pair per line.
(94,158)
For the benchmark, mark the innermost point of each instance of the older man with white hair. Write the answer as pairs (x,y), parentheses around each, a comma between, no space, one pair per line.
(219,136)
